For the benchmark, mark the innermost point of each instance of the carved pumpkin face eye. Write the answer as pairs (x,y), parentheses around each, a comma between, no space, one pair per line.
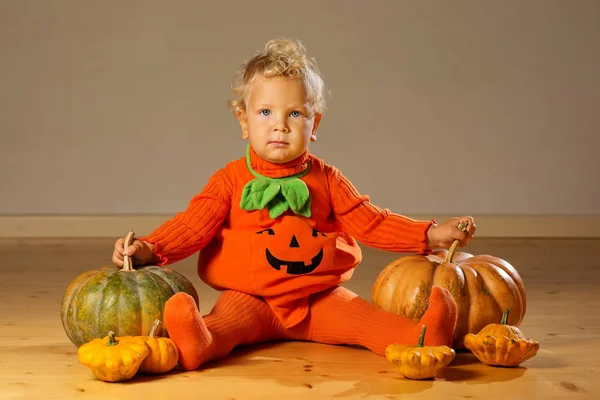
(270,231)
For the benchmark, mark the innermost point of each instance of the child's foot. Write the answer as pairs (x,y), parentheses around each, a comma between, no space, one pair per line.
(187,329)
(440,318)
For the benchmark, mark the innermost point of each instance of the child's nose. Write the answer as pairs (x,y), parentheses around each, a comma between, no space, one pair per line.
(281,125)
(281,128)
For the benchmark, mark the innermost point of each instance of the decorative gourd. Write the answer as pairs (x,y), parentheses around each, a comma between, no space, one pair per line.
(113,359)
(163,354)
(125,300)
(482,286)
(501,344)
(419,362)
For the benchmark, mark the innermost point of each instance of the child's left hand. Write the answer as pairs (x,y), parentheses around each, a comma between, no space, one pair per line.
(445,234)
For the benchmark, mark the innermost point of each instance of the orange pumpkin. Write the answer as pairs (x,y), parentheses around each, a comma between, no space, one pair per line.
(163,353)
(483,286)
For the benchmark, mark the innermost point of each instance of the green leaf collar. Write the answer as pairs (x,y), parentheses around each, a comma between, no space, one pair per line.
(277,194)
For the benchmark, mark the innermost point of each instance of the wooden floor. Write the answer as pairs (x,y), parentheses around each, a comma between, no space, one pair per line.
(37,361)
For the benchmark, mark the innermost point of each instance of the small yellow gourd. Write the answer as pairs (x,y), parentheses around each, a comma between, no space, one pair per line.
(113,359)
(419,362)
(163,355)
(501,344)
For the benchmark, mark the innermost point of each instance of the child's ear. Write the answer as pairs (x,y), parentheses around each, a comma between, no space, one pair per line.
(242,118)
(313,135)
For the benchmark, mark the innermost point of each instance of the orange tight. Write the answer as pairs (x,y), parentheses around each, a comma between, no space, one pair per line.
(337,316)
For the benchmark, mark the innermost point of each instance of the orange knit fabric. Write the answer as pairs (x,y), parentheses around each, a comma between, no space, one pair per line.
(337,316)
(233,241)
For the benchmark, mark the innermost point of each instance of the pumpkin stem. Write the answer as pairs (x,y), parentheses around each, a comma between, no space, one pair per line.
(463,227)
(504,319)
(111,339)
(154,326)
(422,336)
(127,263)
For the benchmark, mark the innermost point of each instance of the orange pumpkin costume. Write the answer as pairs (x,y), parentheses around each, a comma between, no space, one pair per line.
(280,257)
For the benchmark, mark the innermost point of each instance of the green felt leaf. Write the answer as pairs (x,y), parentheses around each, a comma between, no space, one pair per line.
(277,206)
(249,200)
(269,193)
(305,209)
(296,193)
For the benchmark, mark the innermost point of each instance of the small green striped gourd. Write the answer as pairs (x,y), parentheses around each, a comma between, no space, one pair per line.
(124,300)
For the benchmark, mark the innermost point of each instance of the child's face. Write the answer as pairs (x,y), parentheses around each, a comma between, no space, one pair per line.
(278,120)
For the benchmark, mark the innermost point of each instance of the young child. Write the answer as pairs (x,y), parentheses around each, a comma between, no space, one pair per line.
(277,231)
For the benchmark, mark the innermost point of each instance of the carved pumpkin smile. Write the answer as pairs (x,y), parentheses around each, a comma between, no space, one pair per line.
(295,267)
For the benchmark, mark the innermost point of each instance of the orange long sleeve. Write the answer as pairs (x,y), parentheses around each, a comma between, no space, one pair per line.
(189,231)
(372,225)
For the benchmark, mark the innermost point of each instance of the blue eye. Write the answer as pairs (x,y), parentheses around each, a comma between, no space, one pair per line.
(295,114)
(266,113)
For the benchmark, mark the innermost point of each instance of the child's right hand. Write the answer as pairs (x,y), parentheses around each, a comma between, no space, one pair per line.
(141,253)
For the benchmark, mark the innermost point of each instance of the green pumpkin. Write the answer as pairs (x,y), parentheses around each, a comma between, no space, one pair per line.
(126,301)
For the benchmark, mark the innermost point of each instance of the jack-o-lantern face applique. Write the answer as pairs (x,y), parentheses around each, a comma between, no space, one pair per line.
(299,248)
(294,267)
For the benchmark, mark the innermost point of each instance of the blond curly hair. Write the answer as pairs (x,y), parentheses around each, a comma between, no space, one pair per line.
(281,57)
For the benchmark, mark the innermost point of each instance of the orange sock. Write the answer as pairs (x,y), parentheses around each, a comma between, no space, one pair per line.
(341,317)
(187,329)
(440,319)
(236,318)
